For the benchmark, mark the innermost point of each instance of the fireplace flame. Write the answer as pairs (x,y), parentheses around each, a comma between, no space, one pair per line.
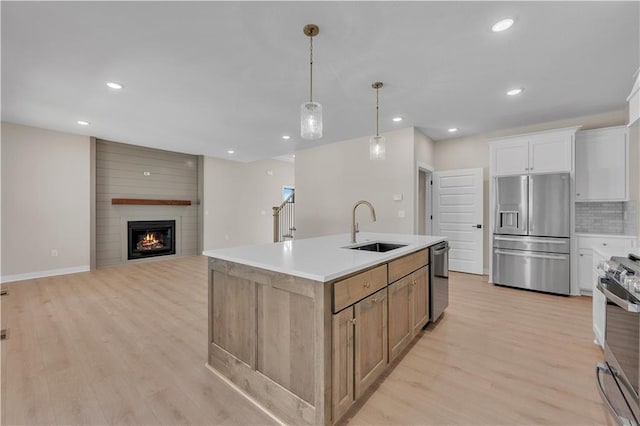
(150,241)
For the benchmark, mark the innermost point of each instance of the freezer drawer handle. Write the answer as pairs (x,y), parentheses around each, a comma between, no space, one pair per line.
(622,420)
(529,254)
(530,240)
(629,307)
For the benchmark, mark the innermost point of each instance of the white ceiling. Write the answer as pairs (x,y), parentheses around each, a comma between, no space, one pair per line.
(204,77)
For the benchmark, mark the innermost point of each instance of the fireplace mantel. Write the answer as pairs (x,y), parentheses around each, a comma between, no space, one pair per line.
(150,202)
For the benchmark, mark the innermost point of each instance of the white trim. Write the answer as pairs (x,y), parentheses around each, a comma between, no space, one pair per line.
(422,167)
(44,274)
(246,395)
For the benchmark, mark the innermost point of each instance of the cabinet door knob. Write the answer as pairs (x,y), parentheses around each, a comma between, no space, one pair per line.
(581,255)
(367,285)
(604,244)
(352,320)
(578,194)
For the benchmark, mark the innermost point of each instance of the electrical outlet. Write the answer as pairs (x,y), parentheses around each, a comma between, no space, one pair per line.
(54,253)
(401,213)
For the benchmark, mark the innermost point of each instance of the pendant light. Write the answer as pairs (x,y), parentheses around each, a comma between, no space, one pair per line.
(311,112)
(377,145)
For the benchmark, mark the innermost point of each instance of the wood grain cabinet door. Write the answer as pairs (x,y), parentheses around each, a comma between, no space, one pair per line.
(342,362)
(400,315)
(420,299)
(371,350)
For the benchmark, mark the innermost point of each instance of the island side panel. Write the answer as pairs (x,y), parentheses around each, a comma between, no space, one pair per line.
(286,344)
(234,321)
(323,367)
(290,344)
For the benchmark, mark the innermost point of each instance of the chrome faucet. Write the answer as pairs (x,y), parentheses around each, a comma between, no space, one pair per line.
(354,224)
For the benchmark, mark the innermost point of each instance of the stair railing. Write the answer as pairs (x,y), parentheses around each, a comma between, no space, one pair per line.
(284,219)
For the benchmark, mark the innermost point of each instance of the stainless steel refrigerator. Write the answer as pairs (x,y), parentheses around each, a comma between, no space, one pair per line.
(531,245)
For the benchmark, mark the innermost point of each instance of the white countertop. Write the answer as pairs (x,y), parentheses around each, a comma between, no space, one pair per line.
(607,252)
(586,234)
(323,258)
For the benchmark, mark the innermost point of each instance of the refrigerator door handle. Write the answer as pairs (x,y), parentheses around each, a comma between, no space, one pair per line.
(531,254)
(529,206)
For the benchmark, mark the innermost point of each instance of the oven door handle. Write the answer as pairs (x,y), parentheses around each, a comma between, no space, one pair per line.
(629,307)
(623,421)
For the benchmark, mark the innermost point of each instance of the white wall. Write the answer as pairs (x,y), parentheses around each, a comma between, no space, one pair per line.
(473,152)
(238,200)
(45,202)
(331,178)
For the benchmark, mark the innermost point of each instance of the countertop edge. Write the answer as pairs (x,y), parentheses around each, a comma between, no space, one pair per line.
(381,258)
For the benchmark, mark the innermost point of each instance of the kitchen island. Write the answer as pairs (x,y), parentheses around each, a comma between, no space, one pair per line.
(305,327)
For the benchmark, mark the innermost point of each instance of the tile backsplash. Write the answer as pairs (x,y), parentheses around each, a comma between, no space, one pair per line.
(607,217)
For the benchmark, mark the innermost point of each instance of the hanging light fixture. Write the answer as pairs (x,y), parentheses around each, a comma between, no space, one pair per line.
(311,112)
(377,145)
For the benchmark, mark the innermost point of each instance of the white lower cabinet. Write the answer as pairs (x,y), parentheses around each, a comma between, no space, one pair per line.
(590,248)
(586,243)
(599,300)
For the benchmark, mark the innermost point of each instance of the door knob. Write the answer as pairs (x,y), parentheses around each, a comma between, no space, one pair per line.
(477,226)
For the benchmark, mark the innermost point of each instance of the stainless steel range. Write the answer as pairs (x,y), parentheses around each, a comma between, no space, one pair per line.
(618,377)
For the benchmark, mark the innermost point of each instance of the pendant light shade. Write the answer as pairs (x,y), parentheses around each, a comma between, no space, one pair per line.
(311,120)
(377,143)
(377,148)
(311,112)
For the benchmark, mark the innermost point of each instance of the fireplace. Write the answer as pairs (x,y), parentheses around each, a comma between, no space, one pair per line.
(151,238)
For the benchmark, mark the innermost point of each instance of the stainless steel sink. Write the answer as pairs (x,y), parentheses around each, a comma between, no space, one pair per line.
(378,247)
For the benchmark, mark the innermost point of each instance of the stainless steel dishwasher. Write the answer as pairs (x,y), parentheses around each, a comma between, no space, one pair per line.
(439,288)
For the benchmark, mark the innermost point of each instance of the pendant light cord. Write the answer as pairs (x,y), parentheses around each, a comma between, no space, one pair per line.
(377,108)
(310,69)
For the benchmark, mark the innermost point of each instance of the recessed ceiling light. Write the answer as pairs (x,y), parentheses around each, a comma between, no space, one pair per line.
(294,156)
(114,85)
(503,24)
(514,92)
(230,151)
(286,137)
(396,119)
(83,123)
(452,130)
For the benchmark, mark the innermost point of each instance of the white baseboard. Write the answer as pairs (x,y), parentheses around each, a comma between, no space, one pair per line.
(43,274)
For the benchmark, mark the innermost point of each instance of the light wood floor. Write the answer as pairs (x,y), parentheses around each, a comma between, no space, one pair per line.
(127,345)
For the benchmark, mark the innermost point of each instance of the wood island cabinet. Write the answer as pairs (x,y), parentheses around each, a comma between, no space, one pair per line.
(408,307)
(308,350)
(400,307)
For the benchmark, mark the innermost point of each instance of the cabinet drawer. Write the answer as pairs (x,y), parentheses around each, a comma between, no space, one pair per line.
(590,242)
(349,291)
(405,265)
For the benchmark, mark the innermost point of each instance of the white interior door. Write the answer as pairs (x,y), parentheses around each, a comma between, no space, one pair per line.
(457,214)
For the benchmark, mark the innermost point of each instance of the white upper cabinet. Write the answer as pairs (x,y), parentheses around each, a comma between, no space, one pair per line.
(544,152)
(602,164)
(550,153)
(510,157)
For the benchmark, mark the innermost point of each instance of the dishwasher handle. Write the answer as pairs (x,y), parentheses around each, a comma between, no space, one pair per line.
(439,252)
